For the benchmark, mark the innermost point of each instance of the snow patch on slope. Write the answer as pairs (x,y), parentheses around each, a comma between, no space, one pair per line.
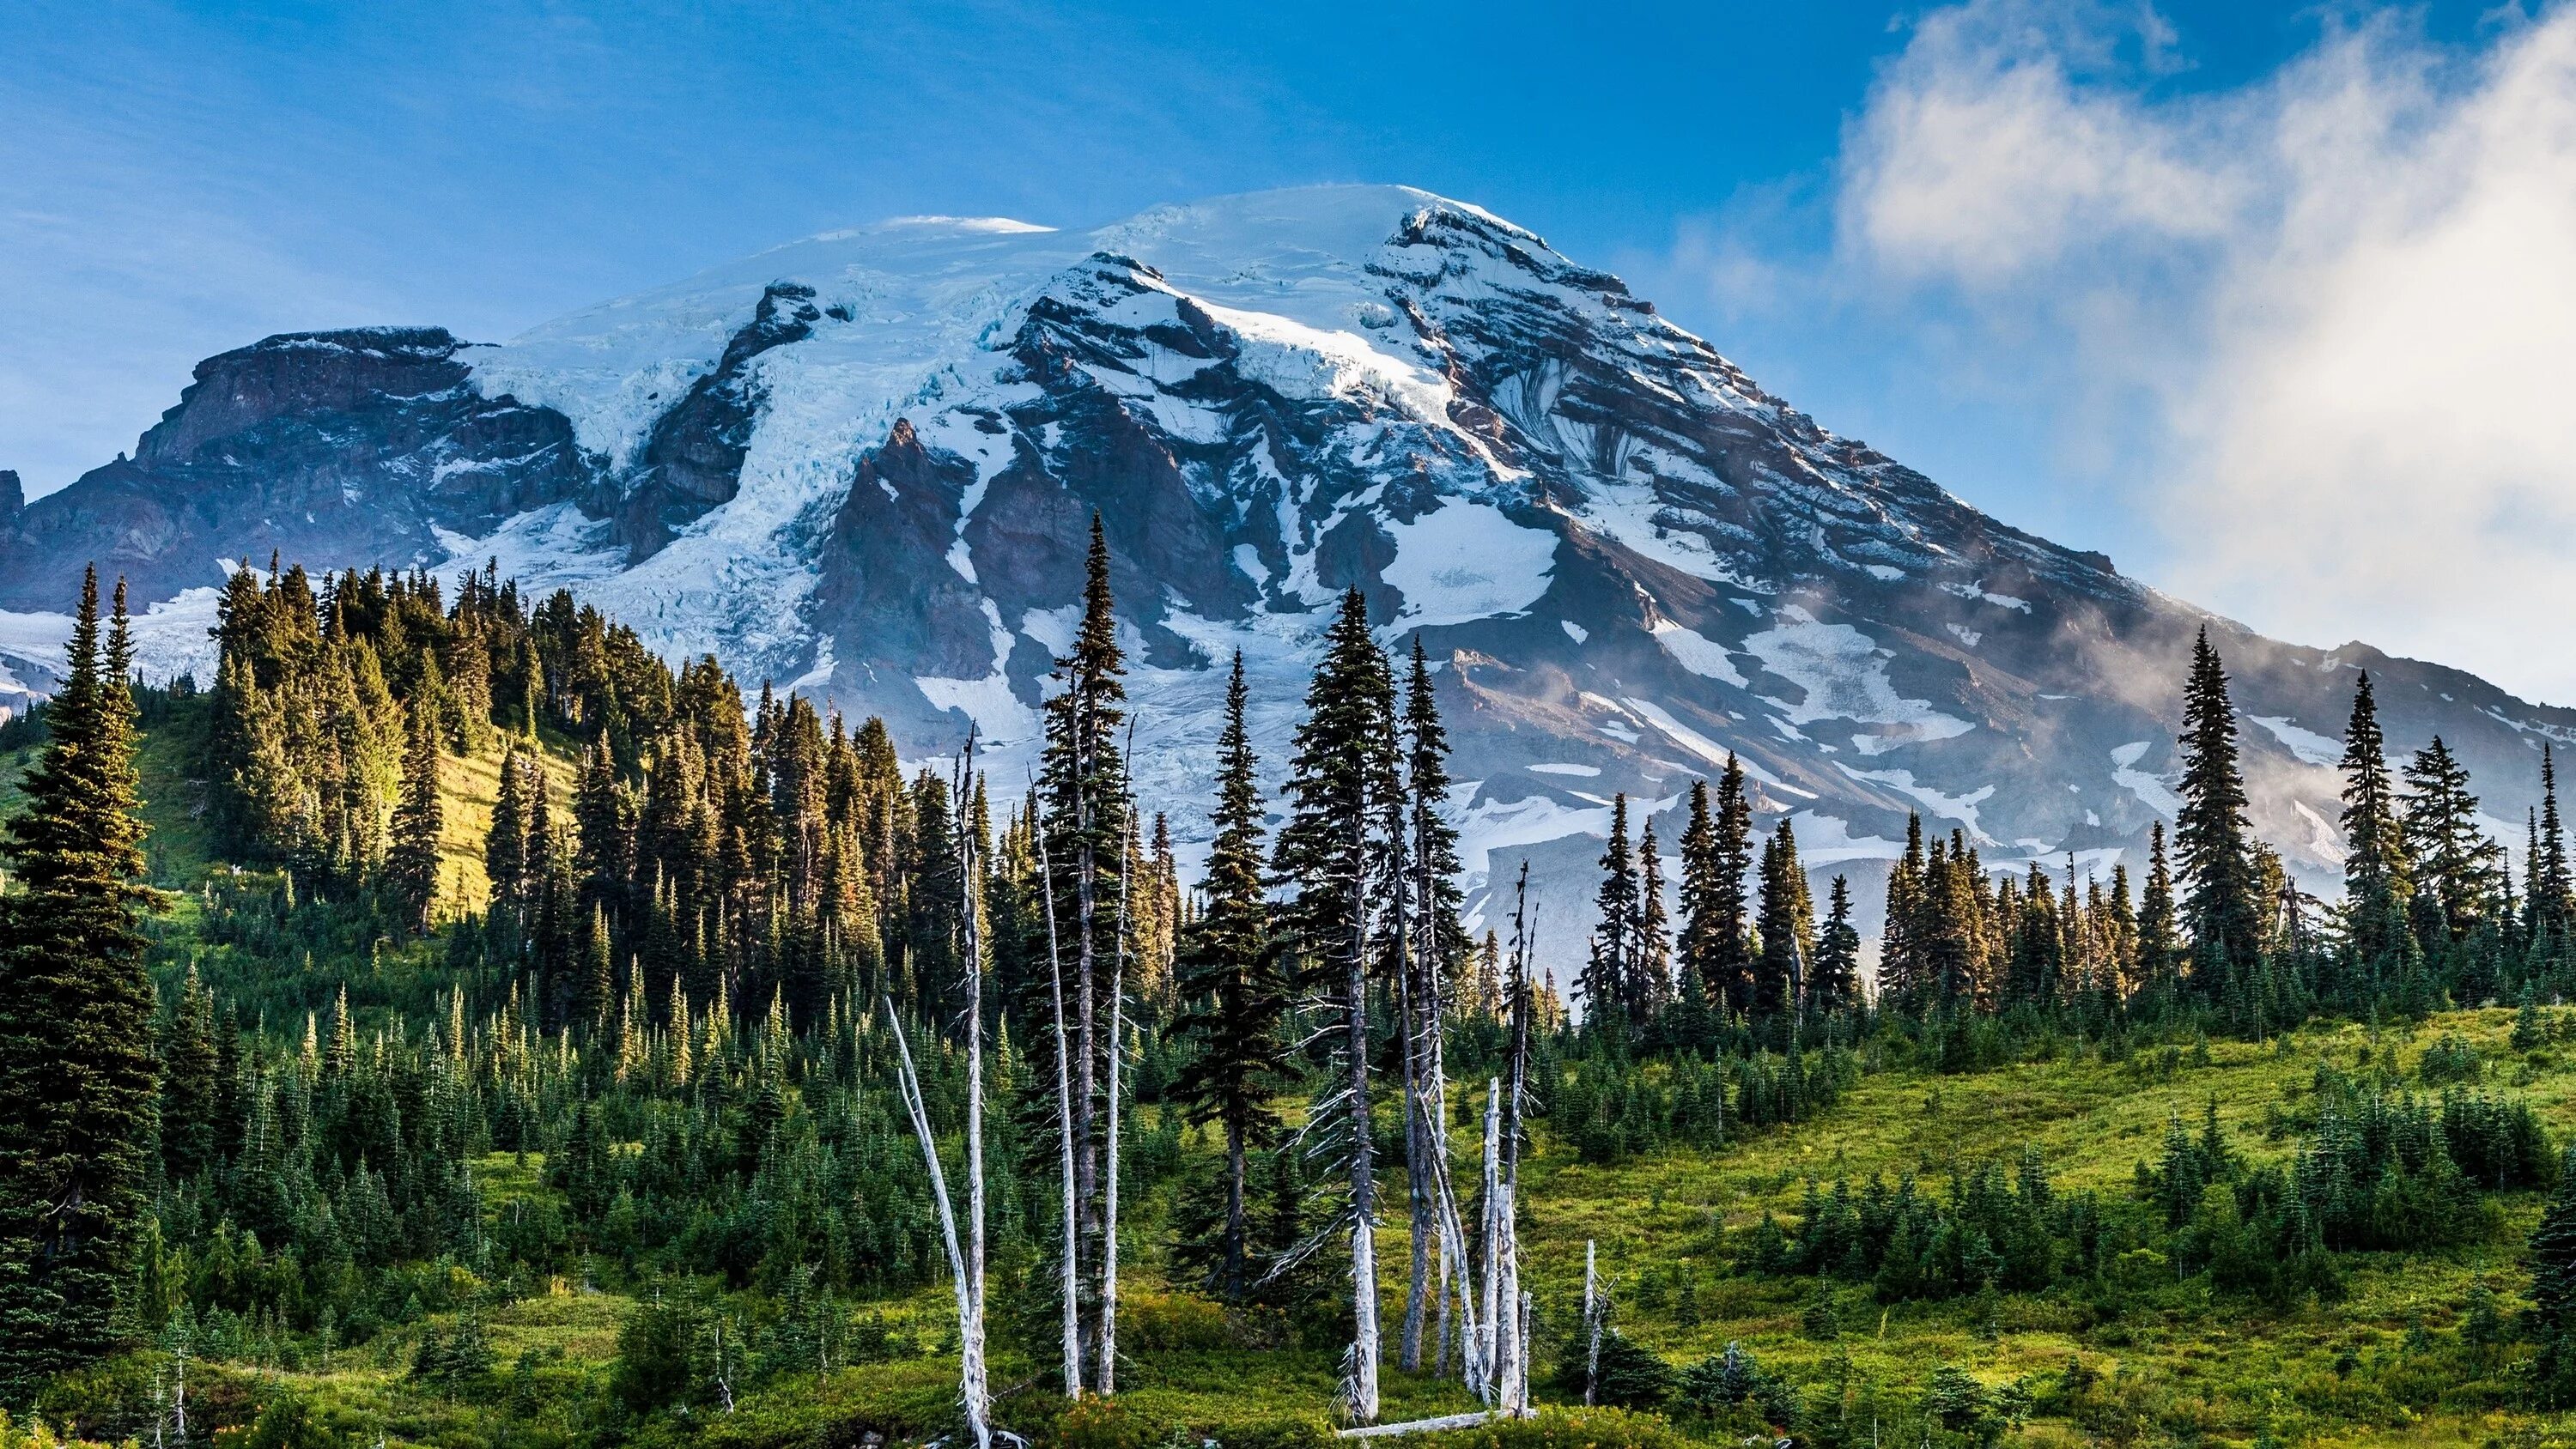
(1464,561)
(1842,674)
(2151,791)
(2311,747)
(1698,653)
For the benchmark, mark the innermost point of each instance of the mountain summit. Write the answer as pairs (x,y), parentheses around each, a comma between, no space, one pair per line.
(864,465)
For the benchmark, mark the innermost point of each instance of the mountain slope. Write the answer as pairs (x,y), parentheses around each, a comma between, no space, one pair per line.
(864,463)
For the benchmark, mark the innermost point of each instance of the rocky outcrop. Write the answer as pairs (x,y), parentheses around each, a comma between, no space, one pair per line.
(328,446)
(693,459)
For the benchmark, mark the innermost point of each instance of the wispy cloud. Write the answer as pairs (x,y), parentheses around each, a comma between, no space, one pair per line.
(2341,293)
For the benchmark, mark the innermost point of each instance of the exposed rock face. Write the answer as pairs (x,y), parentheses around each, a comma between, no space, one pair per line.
(693,460)
(321,446)
(866,464)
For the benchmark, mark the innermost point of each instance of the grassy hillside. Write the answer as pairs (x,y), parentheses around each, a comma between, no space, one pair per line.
(2172,1363)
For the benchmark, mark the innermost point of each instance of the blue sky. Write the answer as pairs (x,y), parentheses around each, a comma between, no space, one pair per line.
(2016,245)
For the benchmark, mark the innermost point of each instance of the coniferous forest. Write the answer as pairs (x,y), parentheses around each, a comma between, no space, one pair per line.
(452,1024)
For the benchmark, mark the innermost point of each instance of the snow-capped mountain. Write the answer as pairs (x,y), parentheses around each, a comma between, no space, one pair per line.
(864,464)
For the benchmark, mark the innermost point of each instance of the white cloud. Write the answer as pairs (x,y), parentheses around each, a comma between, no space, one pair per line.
(2342,291)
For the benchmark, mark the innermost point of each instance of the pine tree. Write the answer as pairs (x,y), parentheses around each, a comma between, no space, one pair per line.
(1083,777)
(1604,982)
(1234,1000)
(411,867)
(505,841)
(191,1087)
(2377,882)
(77,1075)
(1650,963)
(2210,833)
(2159,935)
(1332,854)
(1717,852)
(2548,900)
(1836,979)
(2458,870)
(1787,925)
(2552,1250)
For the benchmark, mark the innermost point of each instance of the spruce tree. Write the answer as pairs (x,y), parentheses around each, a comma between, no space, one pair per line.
(2210,833)
(2548,899)
(2458,870)
(411,866)
(2159,934)
(1604,982)
(77,1074)
(191,1085)
(2377,883)
(505,841)
(1333,856)
(1234,1000)
(1083,777)
(1650,961)
(1717,852)
(1787,926)
(1836,979)
(2552,1250)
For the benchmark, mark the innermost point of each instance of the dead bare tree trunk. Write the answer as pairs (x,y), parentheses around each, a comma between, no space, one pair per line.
(970,1331)
(1417,1146)
(1514,1368)
(1108,1378)
(1361,1390)
(1591,1323)
(1072,1265)
(971,1337)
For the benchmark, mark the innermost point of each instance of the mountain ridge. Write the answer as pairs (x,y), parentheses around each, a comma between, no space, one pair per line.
(862,464)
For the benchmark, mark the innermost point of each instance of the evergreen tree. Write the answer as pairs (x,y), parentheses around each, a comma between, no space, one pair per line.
(1603,986)
(1836,978)
(2552,1251)
(411,868)
(505,841)
(1332,855)
(2458,870)
(191,1084)
(77,1075)
(2220,905)
(2552,911)
(1084,779)
(1787,925)
(2159,934)
(1650,964)
(1233,999)
(1717,852)
(2376,879)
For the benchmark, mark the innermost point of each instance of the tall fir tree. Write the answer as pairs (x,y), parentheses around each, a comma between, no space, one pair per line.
(2159,931)
(1836,980)
(1603,984)
(1650,957)
(2220,904)
(1717,852)
(411,866)
(77,1071)
(1332,856)
(2552,912)
(1084,778)
(2377,881)
(1234,999)
(2458,871)
(1787,926)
